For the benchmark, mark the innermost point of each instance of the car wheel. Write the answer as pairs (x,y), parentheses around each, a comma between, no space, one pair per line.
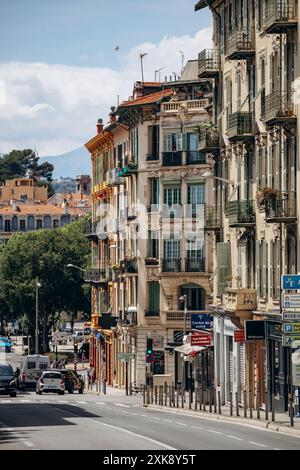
(13,394)
(61,392)
(80,391)
(71,390)
(40,392)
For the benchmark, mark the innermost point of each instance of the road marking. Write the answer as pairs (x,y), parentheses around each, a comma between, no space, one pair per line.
(153,417)
(6,401)
(62,401)
(276,448)
(134,414)
(122,405)
(257,444)
(215,432)
(126,412)
(196,427)
(181,424)
(146,416)
(25,401)
(234,437)
(28,444)
(100,403)
(82,402)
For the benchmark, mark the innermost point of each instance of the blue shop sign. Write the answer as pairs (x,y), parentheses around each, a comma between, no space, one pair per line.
(291,281)
(201,321)
(98,335)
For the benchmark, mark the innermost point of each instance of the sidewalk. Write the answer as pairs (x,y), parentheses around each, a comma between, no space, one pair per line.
(280,424)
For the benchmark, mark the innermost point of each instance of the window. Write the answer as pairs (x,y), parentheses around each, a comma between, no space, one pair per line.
(153,244)
(22,225)
(39,224)
(239,90)
(195,199)
(154,191)
(263,87)
(228,100)
(223,266)
(153,296)
(120,164)
(174,142)
(31,365)
(7,227)
(55,223)
(153,142)
(172,196)
(23,197)
(171,249)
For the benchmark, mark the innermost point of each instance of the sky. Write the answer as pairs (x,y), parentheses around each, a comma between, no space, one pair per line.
(60,72)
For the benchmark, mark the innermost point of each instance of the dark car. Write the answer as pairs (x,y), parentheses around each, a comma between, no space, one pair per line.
(73,381)
(8,384)
(84,349)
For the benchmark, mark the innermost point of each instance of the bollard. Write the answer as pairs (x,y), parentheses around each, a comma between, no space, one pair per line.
(170,396)
(104,386)
(266,409)
(144,395)
(161,395)
(231,403)
(201,397)
(237,404)
(151,391)
(215,401)
(291,410)
(173,394)
(182,397)
(251,411)
(210,401)
(130,389)
(273,406)
(245,404)
(177,397)
(204,403)
(257,402)
(196,398)
(155,394)
(166,394)
(190,398)
(219,400)
(148,395)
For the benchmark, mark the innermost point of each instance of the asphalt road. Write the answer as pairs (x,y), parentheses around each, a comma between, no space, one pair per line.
(89,421)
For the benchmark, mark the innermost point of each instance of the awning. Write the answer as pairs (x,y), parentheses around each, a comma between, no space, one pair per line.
(188,349)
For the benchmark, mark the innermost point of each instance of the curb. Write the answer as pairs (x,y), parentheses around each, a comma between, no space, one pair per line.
(256,424)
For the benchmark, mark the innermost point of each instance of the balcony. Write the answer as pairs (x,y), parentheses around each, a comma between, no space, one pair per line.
(171,265)
(115,179)
(190,105)
(96,276)
(175,318)
(129,169)
(281,208)
(152,157)
(127,318)
(195,157)
(209,140)
(152,313)
(279,108)
(208,63)
(152,262)
(92,230)
(240,46)
(195,265)
(212,218)
(241,213)
(240,126)
(280,15)
(172,158)
(129,266)
(240,299)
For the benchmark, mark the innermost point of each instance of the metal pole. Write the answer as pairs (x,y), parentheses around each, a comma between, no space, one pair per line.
(222,356)
(126,376)
(237,404)
(231,403)
(36,316)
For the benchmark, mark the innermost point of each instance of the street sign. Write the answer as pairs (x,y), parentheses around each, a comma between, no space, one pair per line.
(291,315)
(125,356)
(239,336)
(291,328)
(255,330)
(291,281)
(291,301)
(288,340)
(201,321)
(150,358)
(200,339)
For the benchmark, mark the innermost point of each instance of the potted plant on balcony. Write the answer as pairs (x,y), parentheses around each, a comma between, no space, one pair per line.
(208,129)
(151,261)
(266,196)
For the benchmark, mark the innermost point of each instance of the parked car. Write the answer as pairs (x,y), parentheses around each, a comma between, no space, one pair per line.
(51,381)
(31,369)
(78,336)
(5,344)
(84,349)
(73,381)
(8,384)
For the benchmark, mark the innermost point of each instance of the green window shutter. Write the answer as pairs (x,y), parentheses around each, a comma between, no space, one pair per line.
(270,156)
(277,166)
(257,262)
(293,164)
(153,292)
(264,273)
(223,265)
(271,267)
(278,267)
(263,165)
(258,155)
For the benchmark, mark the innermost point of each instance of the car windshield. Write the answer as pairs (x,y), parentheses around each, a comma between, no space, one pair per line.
(52,375)
(31,365)
(43,365)
(6,370)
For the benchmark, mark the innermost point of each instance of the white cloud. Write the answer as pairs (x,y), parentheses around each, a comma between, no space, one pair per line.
(55,107)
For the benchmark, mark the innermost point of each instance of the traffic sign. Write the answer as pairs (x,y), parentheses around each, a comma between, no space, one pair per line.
(150,358)
(291,328)
(201,321)
(291,281)
(288,340)
(291,316)
(239,336)
(200,339)
(291,301)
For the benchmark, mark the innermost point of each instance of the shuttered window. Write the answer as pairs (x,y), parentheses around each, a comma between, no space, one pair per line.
(257,261)
(271,268)
(223,265)
(264,268)
(154,190)
(153,296)
(175,142)
(277,166)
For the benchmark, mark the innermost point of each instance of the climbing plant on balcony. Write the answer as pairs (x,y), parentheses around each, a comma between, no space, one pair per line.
(266,195)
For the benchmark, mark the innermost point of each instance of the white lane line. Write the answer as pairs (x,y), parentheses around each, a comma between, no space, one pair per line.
(257,444)
(6,401)
(28,444)
(234,437)
(166,420)
(100,403)
(197,427)
(153,417)
(62,401)
(134,414)
(122,405)
(82,402)
(214,432)
(181,424)
(25,401)
(146,416)
(276,448)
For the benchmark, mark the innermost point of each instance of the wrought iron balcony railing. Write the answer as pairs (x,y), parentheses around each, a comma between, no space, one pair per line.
(279,16)
(129,266)
(241,213)
(195,157)
(279,107)
(212,218)
(209,140)
(172,158)
(240,125)
(171,265)
(208,63)
(96,276)
(196,264)
(281,208)
(240,45)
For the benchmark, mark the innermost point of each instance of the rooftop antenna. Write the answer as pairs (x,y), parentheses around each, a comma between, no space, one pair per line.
(142,55)
(182,59)
(158,72)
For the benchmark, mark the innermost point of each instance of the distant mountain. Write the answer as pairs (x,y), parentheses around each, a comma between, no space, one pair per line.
(70,164)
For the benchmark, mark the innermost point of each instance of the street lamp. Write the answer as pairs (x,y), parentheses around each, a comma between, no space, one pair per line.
(37,285)
(220,313)
(76,267)
(183,299)
(208,174)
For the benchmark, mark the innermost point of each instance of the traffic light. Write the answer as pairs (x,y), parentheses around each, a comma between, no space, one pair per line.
(149,346)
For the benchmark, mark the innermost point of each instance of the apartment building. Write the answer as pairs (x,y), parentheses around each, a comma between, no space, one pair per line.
(149,189)
(253,64)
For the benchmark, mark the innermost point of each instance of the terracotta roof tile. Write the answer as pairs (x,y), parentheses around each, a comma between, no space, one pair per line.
(32,209)
(148,99)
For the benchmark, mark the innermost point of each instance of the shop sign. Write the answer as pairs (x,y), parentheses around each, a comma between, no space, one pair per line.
(255,330)
(200,339)
(239,336)
(291,300)
(291,281)
(202,321)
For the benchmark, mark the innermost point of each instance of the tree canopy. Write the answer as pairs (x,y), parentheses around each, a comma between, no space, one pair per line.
(44,254)
(17,163)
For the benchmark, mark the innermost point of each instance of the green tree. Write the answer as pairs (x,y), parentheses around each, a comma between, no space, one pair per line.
(16,163)
(44,254)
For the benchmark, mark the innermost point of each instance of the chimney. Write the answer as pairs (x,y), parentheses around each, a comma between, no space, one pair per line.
(112,116)
(99,126)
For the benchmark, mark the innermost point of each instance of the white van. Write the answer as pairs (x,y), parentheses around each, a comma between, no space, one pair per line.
(31,369)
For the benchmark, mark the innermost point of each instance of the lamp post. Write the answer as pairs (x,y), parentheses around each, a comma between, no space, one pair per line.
(37,285)
(183,299)
(220,354)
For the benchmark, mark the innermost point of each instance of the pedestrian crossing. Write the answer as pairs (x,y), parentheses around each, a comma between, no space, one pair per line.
(70,402)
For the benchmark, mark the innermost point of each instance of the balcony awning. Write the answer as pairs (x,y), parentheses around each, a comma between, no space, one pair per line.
(188,349)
